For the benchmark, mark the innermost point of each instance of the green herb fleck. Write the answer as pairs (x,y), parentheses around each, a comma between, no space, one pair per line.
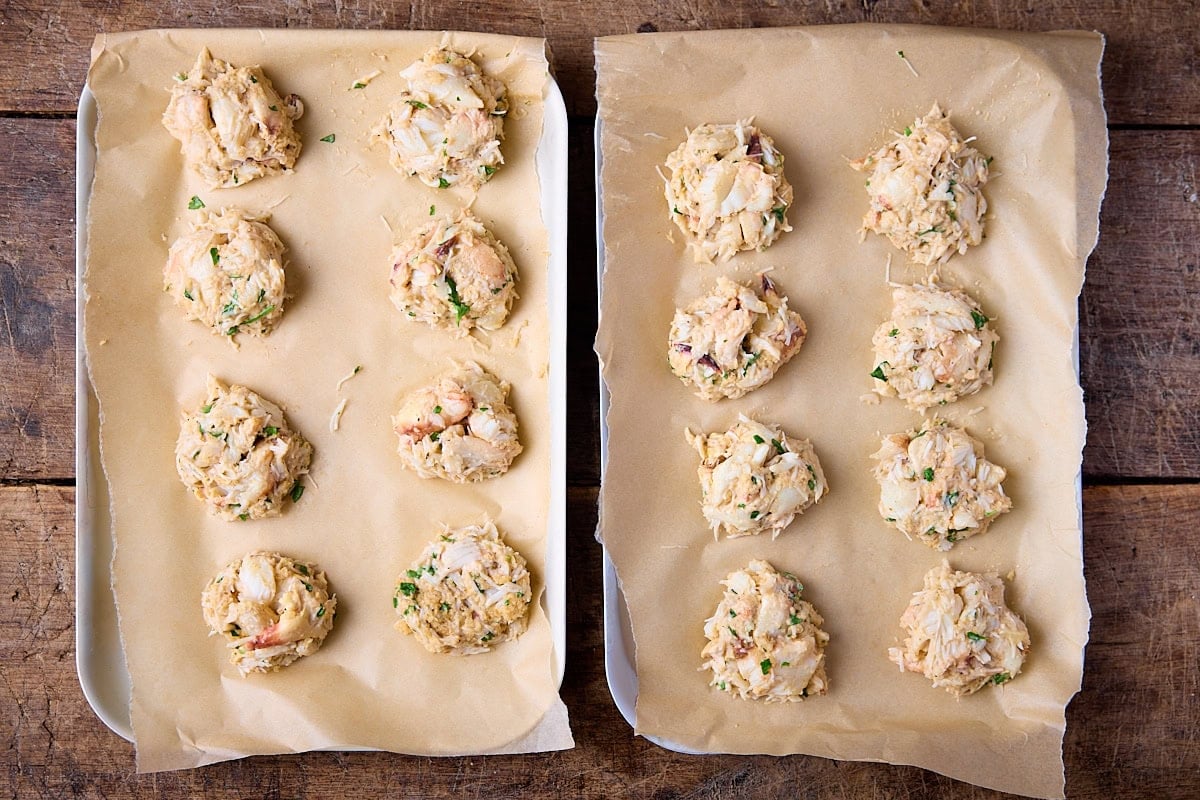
(437,409)
(779,211)
(877,373)
(460,308)
(331,138)
(732,613)
(753,515)
(308,587)
(907,131)
(934,229)
(988,161)
(260,315)
(409,589)
(433,437)
(758,439)
(432,210)
(195,203)
(928,473)
(794,620)
(416,104)
(442,182)
(489,170)
(487,637)
(893,332)
(359,85)
(732,632)
(297,491)
(302,569)
(811,484)
(188,295)
(951,499)
(779,448)
(676,209)
(980,319)
(320,612)
(765,666)
(721,685)
(243,517)
(1003,677)
(975,637)
(216,257)
(395,602)
(273,108)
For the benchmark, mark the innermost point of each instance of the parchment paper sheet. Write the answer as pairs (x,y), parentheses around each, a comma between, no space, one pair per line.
(825,95)
(363,518)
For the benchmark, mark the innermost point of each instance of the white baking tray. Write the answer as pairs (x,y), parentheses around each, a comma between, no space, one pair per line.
(620,668)
(99,658)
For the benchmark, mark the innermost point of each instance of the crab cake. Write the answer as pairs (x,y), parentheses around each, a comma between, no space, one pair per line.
(754,479)
(727,192)
(467,593)
(232,125)
(926,189)
(935,484)
(936,347)
(960,634)
(764,641)
(459,427)
(272,608)
(446,127)
(228,273)
(454,275)
(732,340)
(238,454)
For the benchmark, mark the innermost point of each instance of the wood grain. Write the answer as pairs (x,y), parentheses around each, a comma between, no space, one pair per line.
(1131,732)
(1151,72)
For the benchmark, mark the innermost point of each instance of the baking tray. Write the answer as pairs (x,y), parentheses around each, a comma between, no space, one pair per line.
(620,665)
(99,658)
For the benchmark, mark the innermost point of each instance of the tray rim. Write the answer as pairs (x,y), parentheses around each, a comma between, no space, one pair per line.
(103,675)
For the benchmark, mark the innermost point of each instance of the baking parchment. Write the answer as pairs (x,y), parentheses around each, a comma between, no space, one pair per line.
(828,94)
(363,518)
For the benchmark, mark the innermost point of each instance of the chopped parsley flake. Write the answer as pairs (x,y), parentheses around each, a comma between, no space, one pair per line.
(1003,677)
(975,637)
(188,295)
(928,474)
(442,182)
(409,589)
(216,257)
(195,203)
(460,308)
(416,104)
(359,85)
(260,315)
(980,319)
(877,373)
(765,666)
(893,332)
(331,138)
(758,439)
(489,170)
(297,491)
(321,612)
(779,448)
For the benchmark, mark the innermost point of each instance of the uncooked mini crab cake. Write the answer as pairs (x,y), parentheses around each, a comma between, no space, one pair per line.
(765,642)
(733,339)
(935,484)
(459,427)
(926,189)
(754,478)
(228,273)
(727,191)
(960,634)
(453,274)
(232,125)
(936,347)
(272,608)
(446,127)
(467,593)
(238,454)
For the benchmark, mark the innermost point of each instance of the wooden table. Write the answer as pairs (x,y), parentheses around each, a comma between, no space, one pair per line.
(1134,731)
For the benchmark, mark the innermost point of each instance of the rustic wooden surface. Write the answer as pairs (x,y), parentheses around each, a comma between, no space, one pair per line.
(1133,732)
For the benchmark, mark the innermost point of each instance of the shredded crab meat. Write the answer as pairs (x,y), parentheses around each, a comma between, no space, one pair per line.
(467,593)
(935,484)
(232,125)
(935,348)
(446,127)
(454,275)
(726,190)
(764,641)
(238,455)
(754,478)
(459,427)
(733,339)
(227,273)
(960,634)
(271,608)
(926,190)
